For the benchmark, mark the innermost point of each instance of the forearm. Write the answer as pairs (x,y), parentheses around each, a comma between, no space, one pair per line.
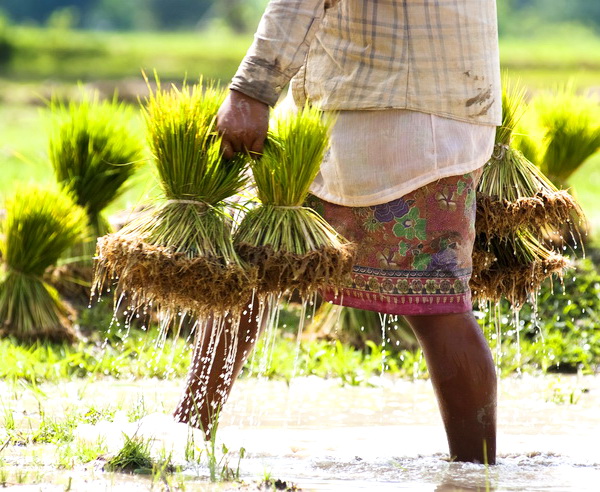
(280,45)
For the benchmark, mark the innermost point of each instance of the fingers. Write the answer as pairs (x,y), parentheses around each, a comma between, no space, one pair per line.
(257,147)
(243,123)
(227,149)
(230,145)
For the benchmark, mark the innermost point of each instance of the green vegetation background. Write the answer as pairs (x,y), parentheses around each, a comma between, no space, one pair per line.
(102,44)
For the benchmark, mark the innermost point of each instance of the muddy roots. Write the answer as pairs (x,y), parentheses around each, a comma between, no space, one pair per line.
(281,271)
(154,274)
(482,260)
(547,211)
(516,283)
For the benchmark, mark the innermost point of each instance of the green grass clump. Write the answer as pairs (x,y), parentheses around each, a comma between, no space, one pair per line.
(180,252)
(291,244)
(133,456)
(40,226)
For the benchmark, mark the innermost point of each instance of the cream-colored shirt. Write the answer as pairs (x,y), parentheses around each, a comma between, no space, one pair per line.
(416,84)
(435,56)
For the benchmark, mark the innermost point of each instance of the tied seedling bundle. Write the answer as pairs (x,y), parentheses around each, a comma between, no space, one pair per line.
(179,254)
(513,193)
(39,227)
(292,246)
(517,207)
(93,153)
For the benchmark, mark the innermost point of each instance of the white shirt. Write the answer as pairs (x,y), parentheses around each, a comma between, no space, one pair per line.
(378,156)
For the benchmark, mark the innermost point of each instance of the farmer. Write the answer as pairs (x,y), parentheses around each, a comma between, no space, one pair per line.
(416,87)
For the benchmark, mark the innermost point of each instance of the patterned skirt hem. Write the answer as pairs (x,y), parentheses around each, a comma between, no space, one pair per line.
(401,304)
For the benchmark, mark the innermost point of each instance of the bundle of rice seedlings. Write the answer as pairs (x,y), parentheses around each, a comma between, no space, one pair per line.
(571,126)
(93,154)
(514,268)
(39,226)
(179,254)
(513,193)
(292,246)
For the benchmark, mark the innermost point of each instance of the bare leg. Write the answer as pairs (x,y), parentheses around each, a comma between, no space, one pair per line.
(464,379)
(208,387)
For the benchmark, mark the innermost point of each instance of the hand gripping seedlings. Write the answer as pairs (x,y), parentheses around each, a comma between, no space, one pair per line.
(179,254)
(40,226)
(292,246)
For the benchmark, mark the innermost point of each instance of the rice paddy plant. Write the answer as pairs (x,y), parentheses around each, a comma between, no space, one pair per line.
(54,430)
(513,193)
(74,453)
(571,127)
(134,357)
(218,466)
(93,153)
(40,226)
(518,208)
(133,456)
(179,253)
(292,246)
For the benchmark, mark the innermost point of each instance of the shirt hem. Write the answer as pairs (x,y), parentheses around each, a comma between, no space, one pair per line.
(398,191)
(494,120)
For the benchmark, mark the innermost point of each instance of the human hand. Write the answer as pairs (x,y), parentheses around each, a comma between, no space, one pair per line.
(242,122)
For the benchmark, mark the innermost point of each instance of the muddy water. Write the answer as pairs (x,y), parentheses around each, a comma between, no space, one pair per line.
(325,437)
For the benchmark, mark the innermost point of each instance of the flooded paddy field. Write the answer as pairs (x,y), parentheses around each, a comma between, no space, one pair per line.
(313,433)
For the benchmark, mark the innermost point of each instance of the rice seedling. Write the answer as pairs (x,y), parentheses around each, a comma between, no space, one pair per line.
(71,454)
(292,246)
(218,467)
(518,208)
(3,474)
(54,430)
(93,154)
(134,456)
(571,127)
(39,227)
(179,253)
(512,192)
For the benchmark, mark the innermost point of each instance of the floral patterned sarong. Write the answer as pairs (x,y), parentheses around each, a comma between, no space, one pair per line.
(413,253)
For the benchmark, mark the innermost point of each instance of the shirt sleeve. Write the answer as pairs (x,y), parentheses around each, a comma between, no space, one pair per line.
(280,45)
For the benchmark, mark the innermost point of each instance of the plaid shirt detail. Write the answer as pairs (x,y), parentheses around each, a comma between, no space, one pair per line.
(434,56)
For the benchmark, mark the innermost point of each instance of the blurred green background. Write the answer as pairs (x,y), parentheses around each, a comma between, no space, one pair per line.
(53,46)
